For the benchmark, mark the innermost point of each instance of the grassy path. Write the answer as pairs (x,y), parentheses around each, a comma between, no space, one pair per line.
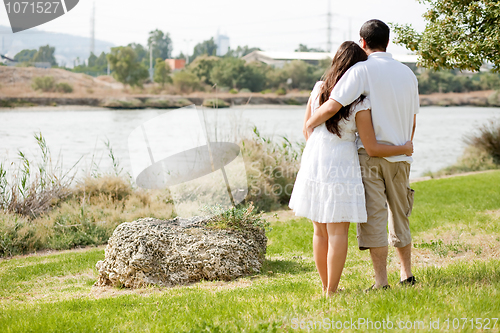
(456,229)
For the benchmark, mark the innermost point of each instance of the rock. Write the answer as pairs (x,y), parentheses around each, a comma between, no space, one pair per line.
(179,251)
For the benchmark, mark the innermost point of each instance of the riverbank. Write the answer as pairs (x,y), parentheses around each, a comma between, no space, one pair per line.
(477,98)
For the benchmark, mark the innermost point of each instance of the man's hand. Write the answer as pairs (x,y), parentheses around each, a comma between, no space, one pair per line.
(409,148)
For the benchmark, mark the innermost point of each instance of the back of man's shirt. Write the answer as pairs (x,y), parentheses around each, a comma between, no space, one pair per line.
(393,91)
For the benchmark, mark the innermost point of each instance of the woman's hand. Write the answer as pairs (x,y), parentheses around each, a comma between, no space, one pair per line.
(408,148)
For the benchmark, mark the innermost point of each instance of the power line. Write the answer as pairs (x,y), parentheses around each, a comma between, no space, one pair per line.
(329,29)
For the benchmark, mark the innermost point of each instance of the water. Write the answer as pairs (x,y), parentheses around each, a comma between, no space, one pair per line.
(73,133)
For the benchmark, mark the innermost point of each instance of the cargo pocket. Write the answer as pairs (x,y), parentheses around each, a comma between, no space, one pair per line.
(410,195)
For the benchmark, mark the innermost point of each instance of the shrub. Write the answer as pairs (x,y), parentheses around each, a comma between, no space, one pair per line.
(64,88)
(215,102)
(266,91)
(233,91)
(112,187)
(43,83)
(280,92)
(245,90)
(239,218)
(186,82)
(488,139)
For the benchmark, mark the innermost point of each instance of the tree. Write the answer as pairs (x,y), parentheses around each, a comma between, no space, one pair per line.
(45,54)
(235,73)
(162,72)
(304,48)
(242,51)
(25,56)
(126,67)
(162,44)
(92,60)
(142,53)
(185,81)
(202,67)
(207,47)
(303,75)
(459,34)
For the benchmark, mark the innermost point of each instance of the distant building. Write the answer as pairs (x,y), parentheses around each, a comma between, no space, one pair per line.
(222,45)
(176,64)
(279,59)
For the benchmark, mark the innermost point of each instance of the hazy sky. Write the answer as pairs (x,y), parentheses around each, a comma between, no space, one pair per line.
(272,25)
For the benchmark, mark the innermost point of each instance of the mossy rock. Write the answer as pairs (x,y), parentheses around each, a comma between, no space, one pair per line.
(215,102)
(292,101)
(130,103)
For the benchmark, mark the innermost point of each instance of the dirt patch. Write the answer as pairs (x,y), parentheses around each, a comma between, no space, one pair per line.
(441,246)
(281,215)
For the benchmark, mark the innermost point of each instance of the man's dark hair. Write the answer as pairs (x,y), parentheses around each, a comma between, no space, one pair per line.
(376,34)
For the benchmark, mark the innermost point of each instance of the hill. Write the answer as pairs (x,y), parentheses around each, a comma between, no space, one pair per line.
(68,47)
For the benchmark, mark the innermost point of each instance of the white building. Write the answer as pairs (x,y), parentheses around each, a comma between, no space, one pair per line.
(222,45)
(278,59)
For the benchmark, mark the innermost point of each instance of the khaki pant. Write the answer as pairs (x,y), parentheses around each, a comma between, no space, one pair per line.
(386,183)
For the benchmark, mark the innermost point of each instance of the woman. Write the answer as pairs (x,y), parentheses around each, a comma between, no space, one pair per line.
(328,189)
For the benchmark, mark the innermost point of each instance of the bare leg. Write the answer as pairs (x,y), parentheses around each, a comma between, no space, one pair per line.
(337,253)
(379,259)
(320,251)
(405,260)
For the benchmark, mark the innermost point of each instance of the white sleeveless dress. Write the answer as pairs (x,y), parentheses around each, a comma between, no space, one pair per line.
(328,187)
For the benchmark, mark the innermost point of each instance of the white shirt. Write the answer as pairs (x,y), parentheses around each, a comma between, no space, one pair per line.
(393,91)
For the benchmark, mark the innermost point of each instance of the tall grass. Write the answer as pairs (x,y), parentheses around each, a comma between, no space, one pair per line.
(488,139)
(32,189)
(271,170)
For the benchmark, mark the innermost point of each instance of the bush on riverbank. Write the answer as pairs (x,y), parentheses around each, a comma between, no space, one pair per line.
(482,152)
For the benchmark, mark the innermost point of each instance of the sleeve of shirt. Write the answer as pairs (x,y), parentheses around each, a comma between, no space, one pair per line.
(361,106)
(349,87)
(316,89)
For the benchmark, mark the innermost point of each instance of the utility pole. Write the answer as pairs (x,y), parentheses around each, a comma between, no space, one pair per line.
(187,48)
(329,29)
(92,30)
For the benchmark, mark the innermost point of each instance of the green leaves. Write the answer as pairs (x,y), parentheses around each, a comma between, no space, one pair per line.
(459,35)
(126,68)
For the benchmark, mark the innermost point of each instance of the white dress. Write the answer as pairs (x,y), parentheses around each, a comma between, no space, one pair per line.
(328,187)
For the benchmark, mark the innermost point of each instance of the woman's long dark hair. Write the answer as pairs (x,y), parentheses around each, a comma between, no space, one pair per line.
(347,55)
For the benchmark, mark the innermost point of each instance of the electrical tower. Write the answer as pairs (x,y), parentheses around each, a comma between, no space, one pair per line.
(329,29)
(92,30)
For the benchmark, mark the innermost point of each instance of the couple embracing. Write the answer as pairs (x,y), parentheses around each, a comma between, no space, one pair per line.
(359,127)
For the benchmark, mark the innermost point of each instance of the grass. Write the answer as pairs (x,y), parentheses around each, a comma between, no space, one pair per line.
(54,292)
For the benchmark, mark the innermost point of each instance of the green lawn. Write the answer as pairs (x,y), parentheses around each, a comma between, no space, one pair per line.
(456,228)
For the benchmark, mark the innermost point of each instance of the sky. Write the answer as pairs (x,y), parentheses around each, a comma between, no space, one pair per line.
(272,25)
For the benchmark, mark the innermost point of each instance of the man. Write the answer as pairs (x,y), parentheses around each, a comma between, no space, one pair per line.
(393,91)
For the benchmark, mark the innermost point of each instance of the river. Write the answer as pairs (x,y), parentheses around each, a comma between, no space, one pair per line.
(73,133)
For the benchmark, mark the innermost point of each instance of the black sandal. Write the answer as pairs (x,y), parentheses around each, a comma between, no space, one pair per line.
(409,281)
